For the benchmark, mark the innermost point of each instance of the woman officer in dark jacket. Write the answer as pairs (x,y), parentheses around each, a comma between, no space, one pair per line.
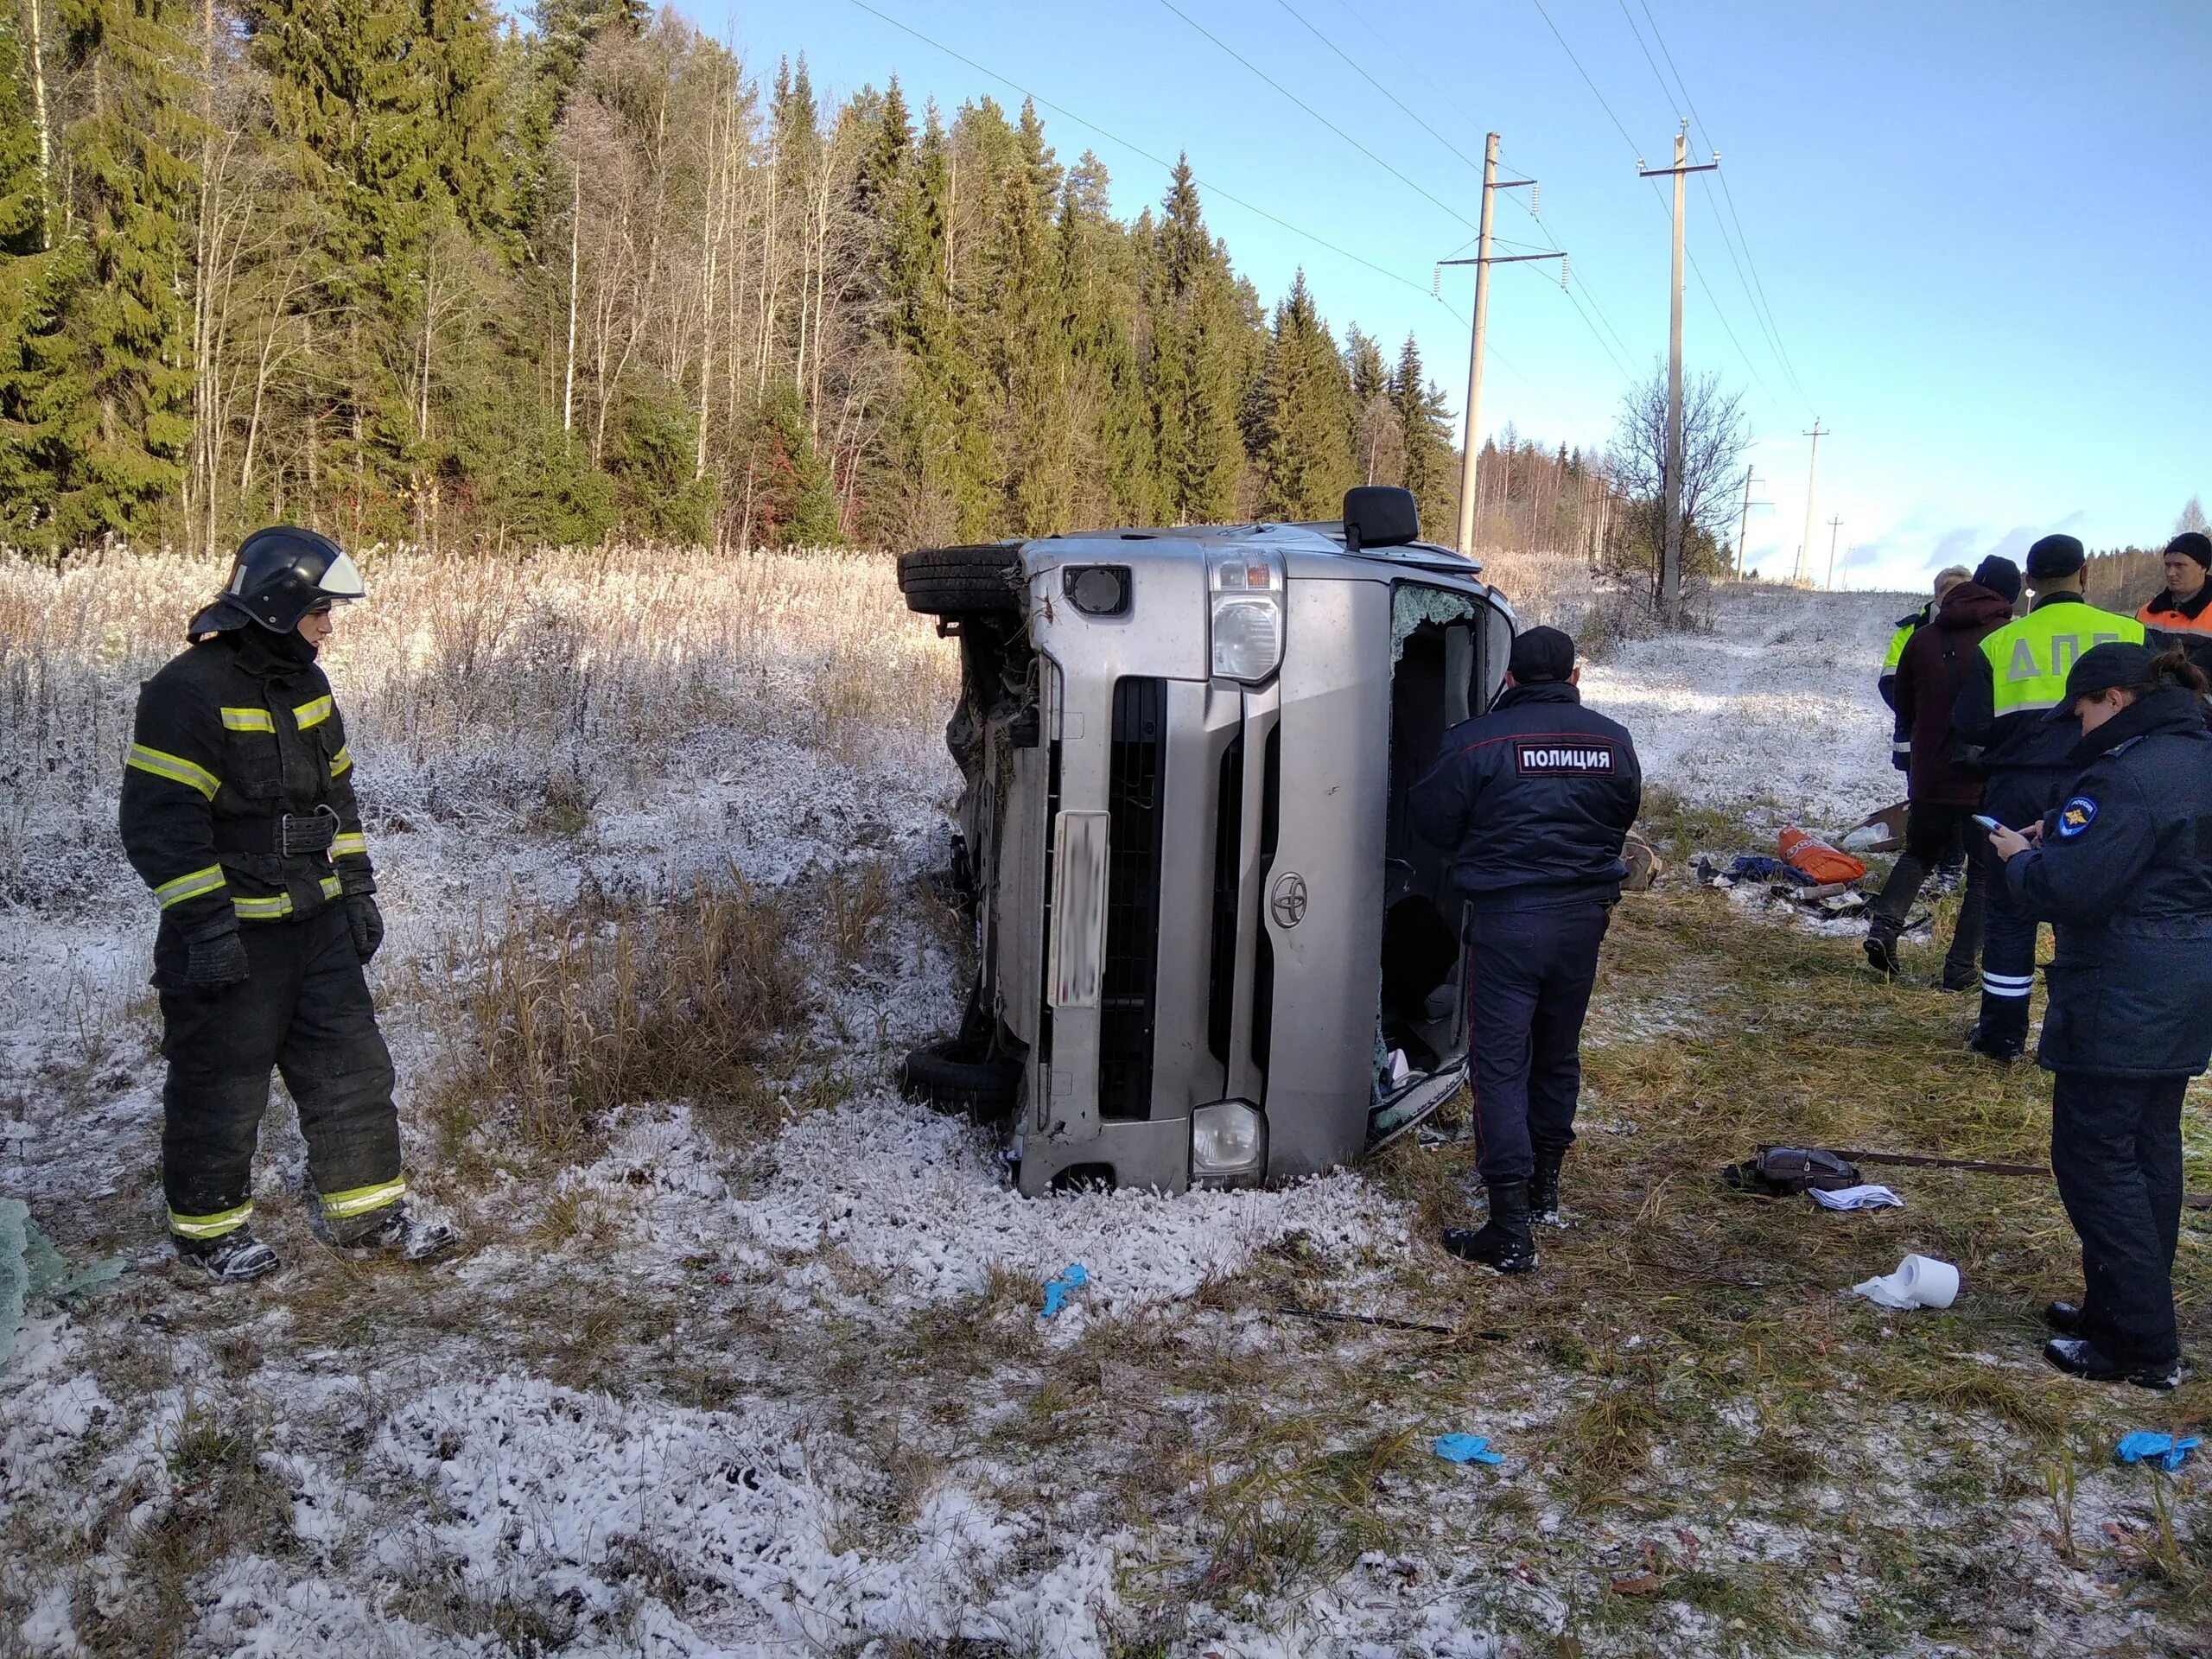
(2123,871)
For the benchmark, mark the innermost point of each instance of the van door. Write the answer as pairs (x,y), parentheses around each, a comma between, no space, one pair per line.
(1449,648)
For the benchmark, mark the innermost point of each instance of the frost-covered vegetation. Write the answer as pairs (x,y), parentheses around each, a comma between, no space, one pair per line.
(744,1356)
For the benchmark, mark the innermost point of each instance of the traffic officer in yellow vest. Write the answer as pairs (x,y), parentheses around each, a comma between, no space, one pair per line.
(1998,723)
(238,812)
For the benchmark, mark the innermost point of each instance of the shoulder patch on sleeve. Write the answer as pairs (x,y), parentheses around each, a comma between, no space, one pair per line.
(2076,816)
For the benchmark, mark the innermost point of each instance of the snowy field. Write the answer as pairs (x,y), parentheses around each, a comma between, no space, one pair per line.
(761,1376)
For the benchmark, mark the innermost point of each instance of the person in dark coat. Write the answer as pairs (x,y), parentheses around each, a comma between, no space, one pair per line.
(2019,675)
(239,812)
(1533,800)
(2122,867)
(1942,793)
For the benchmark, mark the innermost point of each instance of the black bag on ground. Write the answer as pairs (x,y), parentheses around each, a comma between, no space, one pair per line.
(1783,1172)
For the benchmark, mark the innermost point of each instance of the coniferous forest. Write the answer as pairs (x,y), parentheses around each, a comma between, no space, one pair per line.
(404,271)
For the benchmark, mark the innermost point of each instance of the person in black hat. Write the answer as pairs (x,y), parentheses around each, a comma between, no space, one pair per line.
(2185,608)
(1533,801)
(1944,796)
(2018,675)
(2123,867)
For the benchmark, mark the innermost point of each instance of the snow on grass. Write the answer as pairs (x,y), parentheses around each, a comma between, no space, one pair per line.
(606,728)
(915,1201)
(1775,710)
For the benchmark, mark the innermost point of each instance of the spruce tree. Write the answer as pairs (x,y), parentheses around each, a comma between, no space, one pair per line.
(1202,353)
(1424,428)
(129,323)
(43,424)
(1304,451)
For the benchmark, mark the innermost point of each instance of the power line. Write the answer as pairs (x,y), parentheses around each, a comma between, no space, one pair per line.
(1761,307)
(1262,75)
(1664,90)
(1710,297)
(1380,87)
(1137,149)
(1585,73)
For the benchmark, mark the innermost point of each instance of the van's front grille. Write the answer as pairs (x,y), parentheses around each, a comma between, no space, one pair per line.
(1129,989)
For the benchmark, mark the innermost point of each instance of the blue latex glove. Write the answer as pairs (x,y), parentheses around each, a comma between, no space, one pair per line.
(1071,1277)
(1466,1449)
(2144,1446)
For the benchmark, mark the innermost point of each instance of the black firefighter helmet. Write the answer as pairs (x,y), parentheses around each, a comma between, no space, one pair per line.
(280,574)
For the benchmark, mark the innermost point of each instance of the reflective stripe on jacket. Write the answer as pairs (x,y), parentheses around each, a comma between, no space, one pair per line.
(2021,675)
(230,735)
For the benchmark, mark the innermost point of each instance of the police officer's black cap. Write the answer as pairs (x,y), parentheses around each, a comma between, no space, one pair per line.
(2099,668)
(1541,654)
(2055,556)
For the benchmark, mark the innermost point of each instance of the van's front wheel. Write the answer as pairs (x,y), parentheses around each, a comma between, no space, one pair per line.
(963,581)
(951,1076)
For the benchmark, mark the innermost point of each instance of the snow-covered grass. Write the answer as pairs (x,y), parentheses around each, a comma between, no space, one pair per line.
(744,1356)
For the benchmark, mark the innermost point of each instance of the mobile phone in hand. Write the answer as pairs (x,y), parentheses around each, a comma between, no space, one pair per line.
(1988,823)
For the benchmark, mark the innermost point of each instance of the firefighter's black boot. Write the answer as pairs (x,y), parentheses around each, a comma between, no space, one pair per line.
(399,1234)
(234,1258)
(1503,1243)
(1543,1189)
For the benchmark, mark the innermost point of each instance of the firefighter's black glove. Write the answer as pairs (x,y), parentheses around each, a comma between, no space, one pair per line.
(367,922)
(217,962)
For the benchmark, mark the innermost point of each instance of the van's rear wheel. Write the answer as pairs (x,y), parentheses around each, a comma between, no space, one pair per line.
(963,581)
(951,1076)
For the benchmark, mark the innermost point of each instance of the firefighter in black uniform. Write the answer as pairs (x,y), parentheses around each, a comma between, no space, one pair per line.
(238,812)
(2123,867)
(1532,800)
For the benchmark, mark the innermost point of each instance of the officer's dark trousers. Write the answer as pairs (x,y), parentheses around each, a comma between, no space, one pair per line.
(2115,1147)
(2008,929)
(1529,975)
(306,1012)
(1932,835)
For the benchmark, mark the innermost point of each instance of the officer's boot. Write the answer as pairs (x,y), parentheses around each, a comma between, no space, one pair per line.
(1503,1243)
(235,1257)
(1543,1189)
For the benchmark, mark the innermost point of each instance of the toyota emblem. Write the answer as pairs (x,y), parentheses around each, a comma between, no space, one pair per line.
(1288,900)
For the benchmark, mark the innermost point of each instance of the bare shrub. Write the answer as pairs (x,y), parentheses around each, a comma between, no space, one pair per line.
(566,1014)
(1551,589)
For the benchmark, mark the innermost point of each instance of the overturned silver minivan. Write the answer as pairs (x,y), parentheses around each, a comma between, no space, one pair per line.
(1209,947)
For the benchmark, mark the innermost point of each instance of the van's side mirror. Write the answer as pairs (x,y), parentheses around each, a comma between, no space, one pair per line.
(1380,515)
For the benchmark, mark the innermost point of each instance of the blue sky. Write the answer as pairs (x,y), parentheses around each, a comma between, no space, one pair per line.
(1983,231)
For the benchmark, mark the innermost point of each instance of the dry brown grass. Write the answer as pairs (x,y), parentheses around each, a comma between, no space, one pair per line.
(560,1016)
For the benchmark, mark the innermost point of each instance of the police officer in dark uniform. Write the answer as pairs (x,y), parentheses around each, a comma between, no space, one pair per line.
(2016,677)
(1532,800)
(2123,867)
(239,812)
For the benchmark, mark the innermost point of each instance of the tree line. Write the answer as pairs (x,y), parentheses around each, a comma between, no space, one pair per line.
(398,270)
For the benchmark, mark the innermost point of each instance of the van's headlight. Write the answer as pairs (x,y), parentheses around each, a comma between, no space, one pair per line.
(1229,1139)
(1249,606)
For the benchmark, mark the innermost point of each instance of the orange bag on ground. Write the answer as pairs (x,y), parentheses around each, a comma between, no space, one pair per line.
(1817,858)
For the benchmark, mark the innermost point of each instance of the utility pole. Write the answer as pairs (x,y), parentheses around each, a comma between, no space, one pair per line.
(1812,476)
(1482,262)
(1670,562)
(1835,524)
(1743,523)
